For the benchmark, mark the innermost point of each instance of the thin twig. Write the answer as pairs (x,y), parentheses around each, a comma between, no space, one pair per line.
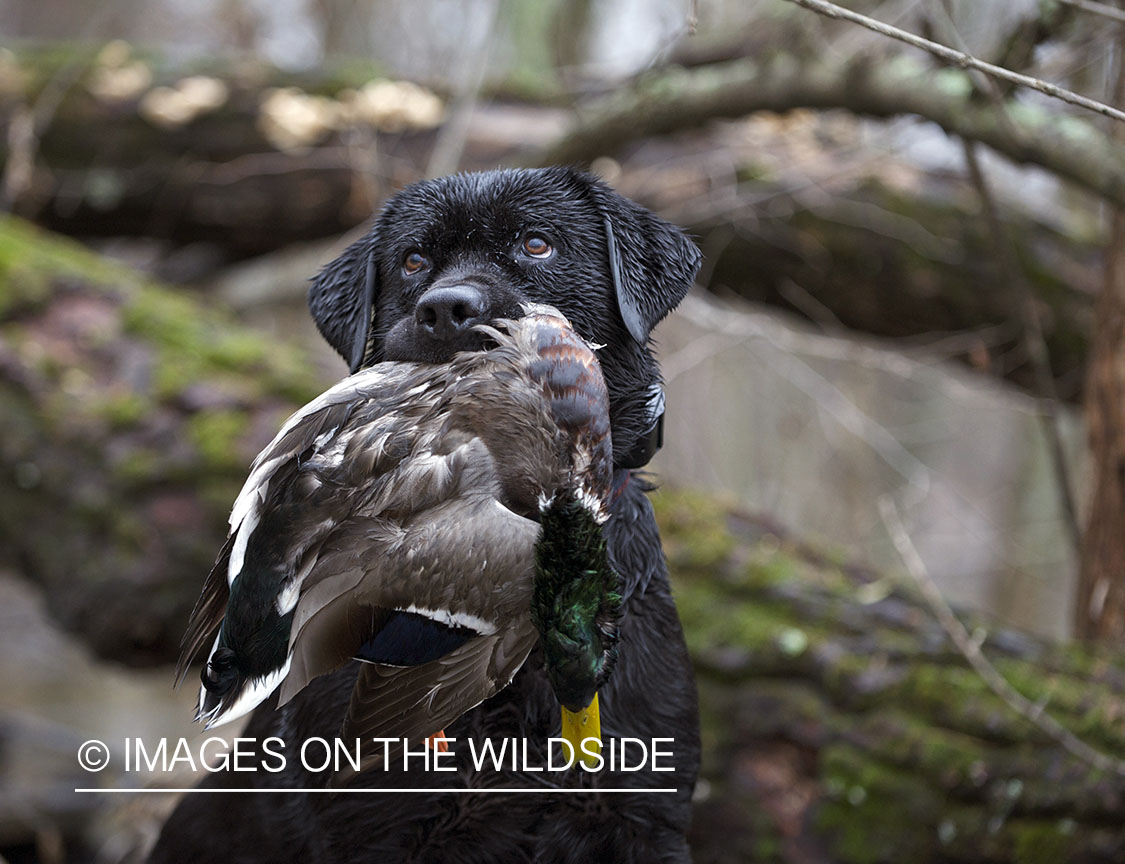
(27,125)
(709,314)
(947,28)
(1014,276)
(970,649)
(795,348)
(687,28)
(960,58)
(451,138)
(1095,8)
(1035,343)
(29,122)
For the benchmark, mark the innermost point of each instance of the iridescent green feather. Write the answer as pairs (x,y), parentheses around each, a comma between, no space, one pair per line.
(575,603)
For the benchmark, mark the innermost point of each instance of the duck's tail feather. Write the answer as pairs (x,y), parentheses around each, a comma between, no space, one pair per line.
(207,614)
(248,694)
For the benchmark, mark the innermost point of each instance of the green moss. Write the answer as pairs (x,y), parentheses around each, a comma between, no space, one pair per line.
(1069,700)
(139,466)
(31,260)
(194,345)
(177,325)
(955,691)
(693,526)
(1042,843)
(21,285)
(956,694)
(217,436)
(946,756)
(874,813)
(917,758)
(771,567)
(123,409)
(711,621)
(192,342)
(171,320)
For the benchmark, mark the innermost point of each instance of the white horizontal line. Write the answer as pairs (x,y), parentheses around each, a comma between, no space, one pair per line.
(520,791)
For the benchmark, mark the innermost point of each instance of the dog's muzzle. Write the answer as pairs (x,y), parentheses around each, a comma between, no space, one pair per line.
(445,318)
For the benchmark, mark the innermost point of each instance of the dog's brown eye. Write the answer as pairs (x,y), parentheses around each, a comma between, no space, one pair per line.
(536,246)
(414,261)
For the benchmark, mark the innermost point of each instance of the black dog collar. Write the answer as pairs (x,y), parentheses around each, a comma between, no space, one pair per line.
(652,439)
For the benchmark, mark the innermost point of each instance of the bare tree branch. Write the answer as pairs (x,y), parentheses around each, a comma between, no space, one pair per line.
(970,648)
(1095,8)
(960,58)
(679,99)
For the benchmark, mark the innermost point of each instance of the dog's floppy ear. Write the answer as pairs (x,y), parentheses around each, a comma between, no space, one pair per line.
(653,262)
(342,300)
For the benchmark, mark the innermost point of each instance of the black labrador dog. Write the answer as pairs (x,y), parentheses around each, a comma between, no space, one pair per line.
(443,256)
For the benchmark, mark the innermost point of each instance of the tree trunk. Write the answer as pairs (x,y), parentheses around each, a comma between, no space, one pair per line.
(1100,607)
(1101,586)
(235,159)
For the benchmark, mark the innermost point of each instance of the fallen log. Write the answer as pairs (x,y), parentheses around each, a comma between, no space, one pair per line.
(243,161)
(841,725)
(244,157)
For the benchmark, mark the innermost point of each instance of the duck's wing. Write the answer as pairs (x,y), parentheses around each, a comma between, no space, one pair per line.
(317,431)
(435,601)
(454,565)
(277,487)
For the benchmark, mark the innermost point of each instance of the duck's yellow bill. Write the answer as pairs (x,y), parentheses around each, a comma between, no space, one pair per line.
(581,725)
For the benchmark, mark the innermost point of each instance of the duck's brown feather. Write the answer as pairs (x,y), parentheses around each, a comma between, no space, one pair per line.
(467,553)
(416,702)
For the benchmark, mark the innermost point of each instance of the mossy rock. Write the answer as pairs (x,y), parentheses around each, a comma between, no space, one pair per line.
(132,413)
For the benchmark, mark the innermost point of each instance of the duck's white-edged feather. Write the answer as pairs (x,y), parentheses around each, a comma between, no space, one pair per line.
(246,512)
(453,619)
(253,694)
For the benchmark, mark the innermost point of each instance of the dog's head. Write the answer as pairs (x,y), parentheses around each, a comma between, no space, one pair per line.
(447,254)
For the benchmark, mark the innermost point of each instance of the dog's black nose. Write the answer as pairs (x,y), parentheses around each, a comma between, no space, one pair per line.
(448,312)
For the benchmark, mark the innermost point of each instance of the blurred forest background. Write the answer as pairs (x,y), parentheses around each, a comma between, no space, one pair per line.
(897,391)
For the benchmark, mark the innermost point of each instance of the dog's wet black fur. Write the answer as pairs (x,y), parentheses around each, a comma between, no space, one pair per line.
(475,244)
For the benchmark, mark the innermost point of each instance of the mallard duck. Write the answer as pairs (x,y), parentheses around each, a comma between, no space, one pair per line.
(434,521)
